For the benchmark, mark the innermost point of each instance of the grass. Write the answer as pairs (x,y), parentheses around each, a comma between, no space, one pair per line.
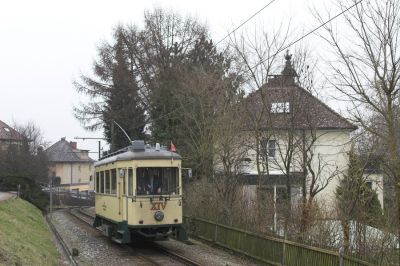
(25,238)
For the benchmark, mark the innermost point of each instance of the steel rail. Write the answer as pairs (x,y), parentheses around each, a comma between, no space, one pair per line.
(62,242)
(177,256)
(141,256)
(161,249)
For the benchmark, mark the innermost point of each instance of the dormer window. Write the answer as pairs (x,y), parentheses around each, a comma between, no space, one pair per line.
(280,108)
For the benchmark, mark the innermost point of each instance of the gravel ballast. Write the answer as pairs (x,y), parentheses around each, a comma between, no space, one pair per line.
(96,249)
(93,247)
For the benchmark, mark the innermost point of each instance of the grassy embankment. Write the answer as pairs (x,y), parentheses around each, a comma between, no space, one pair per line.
(25,238)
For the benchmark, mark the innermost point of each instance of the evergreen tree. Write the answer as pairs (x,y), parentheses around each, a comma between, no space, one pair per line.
(115,96)
(148,74)
(123,105)
(356,201)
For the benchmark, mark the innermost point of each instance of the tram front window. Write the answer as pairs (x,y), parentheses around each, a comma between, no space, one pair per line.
(157,180)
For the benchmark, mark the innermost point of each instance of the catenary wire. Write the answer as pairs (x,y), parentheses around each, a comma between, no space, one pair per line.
(282,49)
(307,34)
(244,22)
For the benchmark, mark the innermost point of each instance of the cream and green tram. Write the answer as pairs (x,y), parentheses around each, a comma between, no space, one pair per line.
(139,194)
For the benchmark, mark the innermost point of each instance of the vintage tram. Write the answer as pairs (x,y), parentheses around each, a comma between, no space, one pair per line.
(139,194)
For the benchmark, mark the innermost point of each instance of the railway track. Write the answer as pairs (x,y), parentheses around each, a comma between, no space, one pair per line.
(146,251)
(64,247)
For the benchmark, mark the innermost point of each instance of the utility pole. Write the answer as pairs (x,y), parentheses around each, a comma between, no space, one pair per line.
(83,138)
(112,148)
(51,195)
(112,138)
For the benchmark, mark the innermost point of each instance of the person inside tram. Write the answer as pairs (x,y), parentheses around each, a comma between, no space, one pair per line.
(149,182)
(157,183)
(143,183)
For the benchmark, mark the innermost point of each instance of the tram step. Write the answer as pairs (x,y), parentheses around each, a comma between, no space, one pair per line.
(121,232)
(122,237)
(118,240)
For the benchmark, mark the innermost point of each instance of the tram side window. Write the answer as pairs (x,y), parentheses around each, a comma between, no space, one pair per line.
(97,182)
(102,182)
(130,181)
(123,182)
(113,181)
(107,182)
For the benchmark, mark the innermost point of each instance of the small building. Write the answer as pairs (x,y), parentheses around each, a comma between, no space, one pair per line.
(299,141)
(69,166)
(9,136)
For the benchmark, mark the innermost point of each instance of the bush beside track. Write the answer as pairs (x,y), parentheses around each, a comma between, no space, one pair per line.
(30,190)
(25,238)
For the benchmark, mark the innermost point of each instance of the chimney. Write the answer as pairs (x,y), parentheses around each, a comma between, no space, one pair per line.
(73,144)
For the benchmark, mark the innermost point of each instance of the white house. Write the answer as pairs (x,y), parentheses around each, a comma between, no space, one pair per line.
(296,140)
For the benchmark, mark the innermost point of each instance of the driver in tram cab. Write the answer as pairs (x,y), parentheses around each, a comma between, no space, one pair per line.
(144,185)
(156,184)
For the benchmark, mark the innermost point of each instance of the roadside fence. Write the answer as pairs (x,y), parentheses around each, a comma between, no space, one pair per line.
(270,250)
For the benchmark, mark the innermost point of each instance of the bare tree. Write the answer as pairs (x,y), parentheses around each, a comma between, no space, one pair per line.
(137,74)
(26,158)
(366,71)
(257,53)
(33,134)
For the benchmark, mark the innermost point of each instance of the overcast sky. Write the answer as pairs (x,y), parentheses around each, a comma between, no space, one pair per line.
(45,45)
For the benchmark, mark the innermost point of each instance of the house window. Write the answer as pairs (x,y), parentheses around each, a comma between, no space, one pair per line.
(271,148)
(280,108)
(244,166)
(268,148)
(281,195)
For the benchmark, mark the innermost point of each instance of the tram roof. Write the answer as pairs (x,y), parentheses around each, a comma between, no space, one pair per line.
(129,154)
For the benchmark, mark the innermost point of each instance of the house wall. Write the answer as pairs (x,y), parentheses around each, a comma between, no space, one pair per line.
(77,174)
(332,148)
(330,158)
(5,143)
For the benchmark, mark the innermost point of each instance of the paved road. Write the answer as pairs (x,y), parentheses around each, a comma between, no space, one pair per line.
(6,195)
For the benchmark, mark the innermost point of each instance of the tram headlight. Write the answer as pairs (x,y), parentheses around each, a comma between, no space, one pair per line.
(159,215)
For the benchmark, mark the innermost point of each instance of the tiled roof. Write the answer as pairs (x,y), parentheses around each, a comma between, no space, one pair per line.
(8,133)
(61,151)
(305,110)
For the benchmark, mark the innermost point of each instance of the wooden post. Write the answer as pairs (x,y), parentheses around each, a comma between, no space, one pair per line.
(216,232)
(275,214)
(283,260)
(99,150)
(341,259)
(51,195)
